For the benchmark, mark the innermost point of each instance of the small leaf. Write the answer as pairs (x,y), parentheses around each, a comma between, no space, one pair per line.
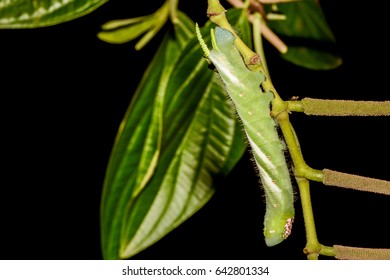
(125,34)
(40,13)
(310,41)
(113,24)
(125,30)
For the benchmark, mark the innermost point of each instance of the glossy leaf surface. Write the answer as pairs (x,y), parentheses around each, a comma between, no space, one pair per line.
(310,41)
(40,13)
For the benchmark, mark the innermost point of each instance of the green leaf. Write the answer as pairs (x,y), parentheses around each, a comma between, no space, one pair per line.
(125,30)
(40,13)
(126,33)
(179,134)
(310,41)
(126,165)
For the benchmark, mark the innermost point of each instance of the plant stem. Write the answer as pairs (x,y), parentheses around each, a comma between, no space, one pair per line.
(303,174)
(327,251)
(216,13)
(173,4)
(280,112)
(266,32)
(313,247)
(258,42)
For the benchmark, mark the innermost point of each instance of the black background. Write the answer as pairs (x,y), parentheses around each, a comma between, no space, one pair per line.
(64,93)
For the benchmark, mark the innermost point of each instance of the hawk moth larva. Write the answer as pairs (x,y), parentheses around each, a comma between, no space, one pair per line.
(252,105)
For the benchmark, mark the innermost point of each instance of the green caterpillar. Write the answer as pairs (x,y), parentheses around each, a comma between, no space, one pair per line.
(252,105)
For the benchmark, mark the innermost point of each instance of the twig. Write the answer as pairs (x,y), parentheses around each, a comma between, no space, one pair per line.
(268,34)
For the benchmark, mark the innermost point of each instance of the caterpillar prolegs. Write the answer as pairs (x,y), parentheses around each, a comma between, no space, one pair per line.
(252,105)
